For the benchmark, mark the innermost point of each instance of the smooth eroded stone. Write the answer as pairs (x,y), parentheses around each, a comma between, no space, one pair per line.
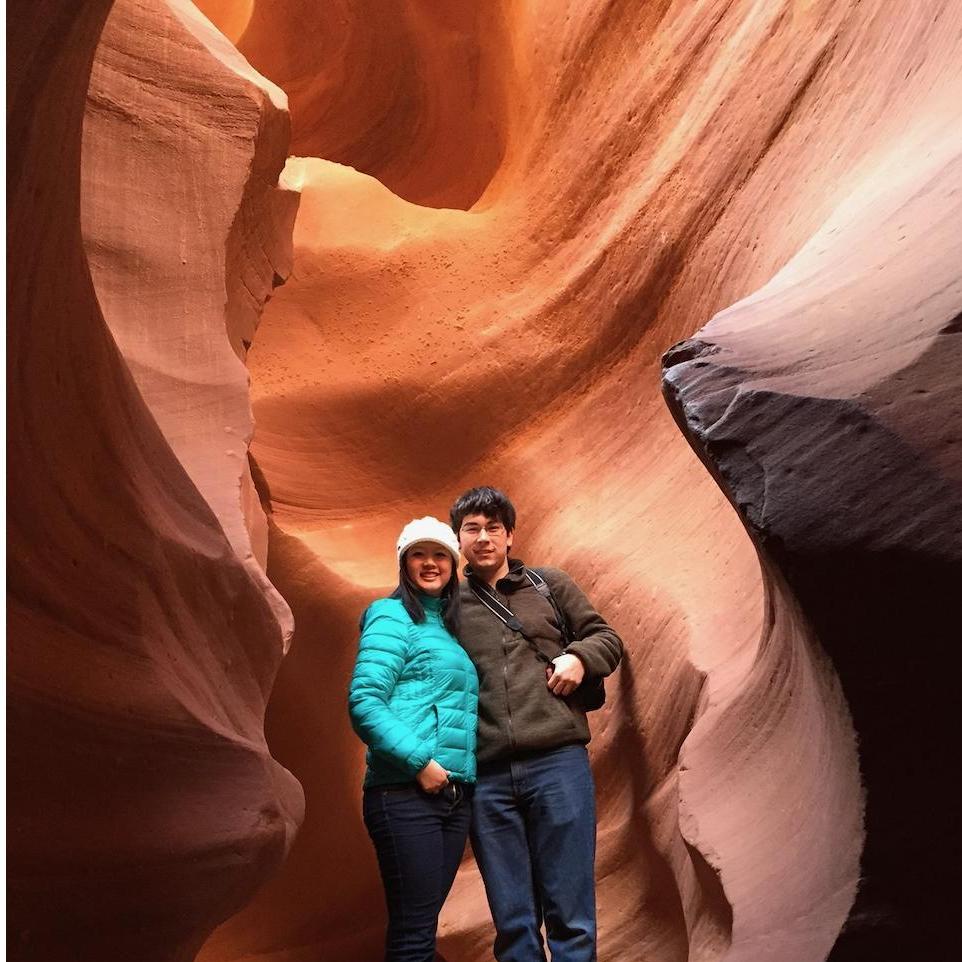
(187,232)
(829,406)
(143,804)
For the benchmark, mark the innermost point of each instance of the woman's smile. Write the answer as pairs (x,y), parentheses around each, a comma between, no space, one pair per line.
(429,566)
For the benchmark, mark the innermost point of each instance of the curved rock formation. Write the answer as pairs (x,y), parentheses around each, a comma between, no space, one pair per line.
(660,163)
(542,199)
(829,404)
(181,134)
(409,92)
(143,806)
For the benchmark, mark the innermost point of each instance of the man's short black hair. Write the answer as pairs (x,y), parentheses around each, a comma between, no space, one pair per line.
(490,502)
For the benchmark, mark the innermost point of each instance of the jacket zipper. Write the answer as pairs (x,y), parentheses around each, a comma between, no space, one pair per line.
(507,699)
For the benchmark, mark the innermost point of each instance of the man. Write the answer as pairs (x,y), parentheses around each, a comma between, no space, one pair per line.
(533,830)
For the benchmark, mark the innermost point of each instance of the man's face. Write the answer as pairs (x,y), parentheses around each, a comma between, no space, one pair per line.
(484,542)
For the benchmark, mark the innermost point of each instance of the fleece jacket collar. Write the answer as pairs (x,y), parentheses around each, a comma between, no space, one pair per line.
(511,582)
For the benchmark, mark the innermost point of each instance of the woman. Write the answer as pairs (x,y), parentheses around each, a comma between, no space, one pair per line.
(414,702)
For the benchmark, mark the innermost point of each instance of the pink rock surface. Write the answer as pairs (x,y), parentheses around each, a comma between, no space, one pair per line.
(143,806)
(533,202)
(660,163)
(829,403)
(198,163)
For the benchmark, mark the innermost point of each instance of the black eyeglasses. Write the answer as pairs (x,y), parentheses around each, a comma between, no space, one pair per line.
(495,530)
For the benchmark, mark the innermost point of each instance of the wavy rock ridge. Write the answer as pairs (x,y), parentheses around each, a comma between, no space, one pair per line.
(183,300)
(829,404)
(144,805)
(519,209)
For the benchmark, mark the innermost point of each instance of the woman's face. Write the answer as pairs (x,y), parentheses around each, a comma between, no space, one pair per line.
(428,566)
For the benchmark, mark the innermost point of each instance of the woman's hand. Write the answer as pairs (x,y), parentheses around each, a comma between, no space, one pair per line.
(432,778)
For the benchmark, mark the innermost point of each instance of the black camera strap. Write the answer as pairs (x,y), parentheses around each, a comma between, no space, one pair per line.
(591,693)
(541,586)
(500,610)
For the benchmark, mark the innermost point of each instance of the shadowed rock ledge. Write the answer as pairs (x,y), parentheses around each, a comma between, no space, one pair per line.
(829,407)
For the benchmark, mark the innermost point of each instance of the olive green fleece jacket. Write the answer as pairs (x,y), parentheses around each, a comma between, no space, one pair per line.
(517,713)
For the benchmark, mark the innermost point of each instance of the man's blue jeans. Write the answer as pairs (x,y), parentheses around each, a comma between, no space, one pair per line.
(533,835)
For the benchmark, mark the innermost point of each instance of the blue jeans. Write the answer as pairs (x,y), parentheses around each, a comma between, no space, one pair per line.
(419,840)
(533,836)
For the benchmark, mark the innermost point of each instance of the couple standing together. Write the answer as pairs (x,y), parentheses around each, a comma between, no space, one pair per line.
(471,697)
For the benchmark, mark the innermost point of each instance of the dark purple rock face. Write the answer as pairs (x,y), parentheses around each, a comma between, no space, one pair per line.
(857,502)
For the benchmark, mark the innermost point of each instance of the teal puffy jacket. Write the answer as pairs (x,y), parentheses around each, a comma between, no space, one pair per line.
(413,695)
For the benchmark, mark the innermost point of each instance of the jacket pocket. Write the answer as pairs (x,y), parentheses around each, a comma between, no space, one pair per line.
(541,718)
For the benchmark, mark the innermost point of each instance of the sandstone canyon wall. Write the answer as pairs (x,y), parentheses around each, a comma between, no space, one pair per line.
(182,135)
(144,806)
(509,212)
(829,405)
(660,162)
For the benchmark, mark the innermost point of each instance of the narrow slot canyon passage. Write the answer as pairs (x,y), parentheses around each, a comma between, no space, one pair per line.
(416,351)
(681,277)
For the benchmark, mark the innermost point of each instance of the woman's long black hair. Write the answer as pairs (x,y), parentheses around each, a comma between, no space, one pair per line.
(450,598)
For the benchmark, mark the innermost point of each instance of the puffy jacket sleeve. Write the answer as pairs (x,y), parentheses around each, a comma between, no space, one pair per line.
(596,642)
(380,660)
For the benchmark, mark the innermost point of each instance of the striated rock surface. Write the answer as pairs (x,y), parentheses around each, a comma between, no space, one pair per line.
(510,211)
(143,806)
(829,405)
(660,163)
(180,134)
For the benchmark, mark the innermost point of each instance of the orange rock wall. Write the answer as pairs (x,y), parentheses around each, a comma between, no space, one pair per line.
(661,161)
(411,92)
(143,804)
(509,211)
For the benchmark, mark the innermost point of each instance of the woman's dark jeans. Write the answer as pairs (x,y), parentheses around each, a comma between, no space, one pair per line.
(419,840)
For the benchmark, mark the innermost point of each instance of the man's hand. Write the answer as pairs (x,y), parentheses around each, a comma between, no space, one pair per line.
(566,675)
(432,778)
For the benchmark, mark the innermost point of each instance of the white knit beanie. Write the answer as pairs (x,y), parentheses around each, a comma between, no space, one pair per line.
(428,529)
